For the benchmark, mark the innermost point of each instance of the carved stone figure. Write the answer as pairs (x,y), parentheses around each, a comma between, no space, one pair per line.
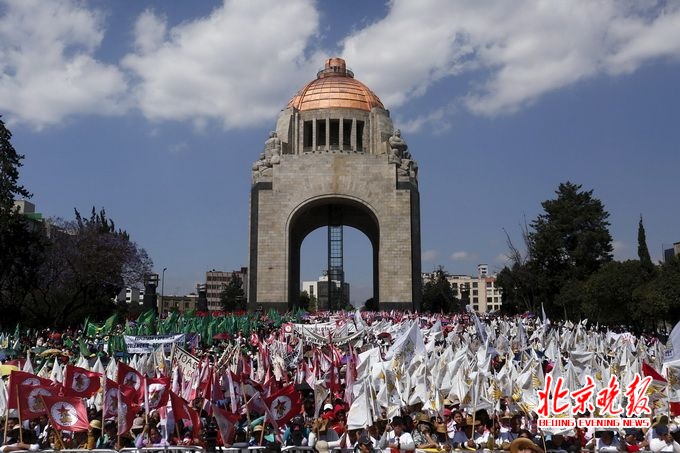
(399,155)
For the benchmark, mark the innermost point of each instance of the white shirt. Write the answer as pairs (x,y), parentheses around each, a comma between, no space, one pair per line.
(657,445)
(405,442)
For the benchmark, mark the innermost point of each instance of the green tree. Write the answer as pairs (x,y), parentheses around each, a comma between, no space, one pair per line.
(232,297)
(608,295)
(20,242)
(658,300)
(303,301)
(568,242)
(438,294)
(643,251)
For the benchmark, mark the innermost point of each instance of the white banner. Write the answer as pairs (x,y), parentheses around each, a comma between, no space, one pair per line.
(185,362)
(146,344)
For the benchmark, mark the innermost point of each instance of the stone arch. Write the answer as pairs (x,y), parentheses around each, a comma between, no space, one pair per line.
(312,214)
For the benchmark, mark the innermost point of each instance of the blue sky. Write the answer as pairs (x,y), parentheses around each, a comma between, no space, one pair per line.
(155,110)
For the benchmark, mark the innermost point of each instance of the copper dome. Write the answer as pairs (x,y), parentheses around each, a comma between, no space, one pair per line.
(335,87)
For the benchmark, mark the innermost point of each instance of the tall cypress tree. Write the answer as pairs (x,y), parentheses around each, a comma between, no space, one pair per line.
(643,251)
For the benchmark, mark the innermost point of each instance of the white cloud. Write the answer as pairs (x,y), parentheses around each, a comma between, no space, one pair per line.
(620,250)
(429,255)
(521,49)
(463,256)
(47,66)
(502,258)
(236,65)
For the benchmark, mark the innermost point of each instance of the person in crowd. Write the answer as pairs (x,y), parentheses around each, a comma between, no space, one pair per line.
(664,442)
(606,442)
(394,439)
(150,437)
(523,445)
(422,434)
(322,437)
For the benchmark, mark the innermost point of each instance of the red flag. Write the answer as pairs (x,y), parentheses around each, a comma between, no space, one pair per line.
(67,413)
(226,421)
(284,404)
(649,371)
(181,410)
(156,392)
(30,403)
(17,378)
(81,382)
(120,402)
(130,377)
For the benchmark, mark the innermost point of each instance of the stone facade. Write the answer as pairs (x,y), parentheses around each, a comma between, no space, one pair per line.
(348,160)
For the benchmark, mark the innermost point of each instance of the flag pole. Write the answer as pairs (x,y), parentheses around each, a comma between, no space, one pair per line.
(264,424)
(21,426)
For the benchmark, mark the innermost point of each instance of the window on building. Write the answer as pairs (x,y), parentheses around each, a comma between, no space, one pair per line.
(489,300)
(474,292)
(321,133)
(360,135)
(346,134)
(474,299)
(307,131)
(334,137)
(474,284)
(475,307)
(489,284)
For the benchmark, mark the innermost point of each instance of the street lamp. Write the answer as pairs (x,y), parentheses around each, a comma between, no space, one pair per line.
(163,290)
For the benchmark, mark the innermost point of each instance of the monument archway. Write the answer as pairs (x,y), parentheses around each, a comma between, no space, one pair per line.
(334,155)
(316,213)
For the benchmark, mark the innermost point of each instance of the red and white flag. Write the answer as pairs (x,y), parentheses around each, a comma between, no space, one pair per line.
(284,404)
(156,392)
(81,382)
(17,378)
(130,377)
(120,402)
(226,421)
(66,413)
(30,402)
(181,410)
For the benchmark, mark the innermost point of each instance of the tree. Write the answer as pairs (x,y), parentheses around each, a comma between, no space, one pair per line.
(87,262)
(303,301)
(370,305)
(569,241)
(643,251)
(658,300)
(438,294)
(233,298)
(20,244)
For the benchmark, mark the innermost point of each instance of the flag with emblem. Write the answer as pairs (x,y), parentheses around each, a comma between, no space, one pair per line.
(130,377)
(156,392)
(284,404)
(17,378)
(66,413)
(81,382)
(181,410)
(120,402)
(30,402)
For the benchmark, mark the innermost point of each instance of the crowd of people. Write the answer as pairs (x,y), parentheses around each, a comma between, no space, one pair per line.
(375,385)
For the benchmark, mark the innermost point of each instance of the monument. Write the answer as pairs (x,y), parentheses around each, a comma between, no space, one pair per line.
(334,158)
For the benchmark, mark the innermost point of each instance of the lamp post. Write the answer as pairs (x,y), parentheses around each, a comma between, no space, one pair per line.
(162,290)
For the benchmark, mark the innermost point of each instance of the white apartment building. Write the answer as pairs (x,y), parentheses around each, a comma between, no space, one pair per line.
(481,290)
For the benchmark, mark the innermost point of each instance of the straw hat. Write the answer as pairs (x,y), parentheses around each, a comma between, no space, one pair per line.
(522,443)
(96,424)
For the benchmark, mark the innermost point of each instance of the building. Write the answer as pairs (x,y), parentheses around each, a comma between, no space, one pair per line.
(36,221)
(319,290)
(216,281)
(669,253)
(480,291)
(180,304)
(130,296)
(334,159)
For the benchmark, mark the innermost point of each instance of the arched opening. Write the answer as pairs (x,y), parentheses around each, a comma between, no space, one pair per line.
(314,214)
(358,264)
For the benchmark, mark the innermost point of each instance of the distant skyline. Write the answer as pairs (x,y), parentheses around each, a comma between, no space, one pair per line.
(156,110)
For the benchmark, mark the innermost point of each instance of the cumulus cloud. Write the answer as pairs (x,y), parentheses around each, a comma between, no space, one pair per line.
(520,50)
(236,65)
(621,250)
(463,256)
(47,66)
(429,255)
